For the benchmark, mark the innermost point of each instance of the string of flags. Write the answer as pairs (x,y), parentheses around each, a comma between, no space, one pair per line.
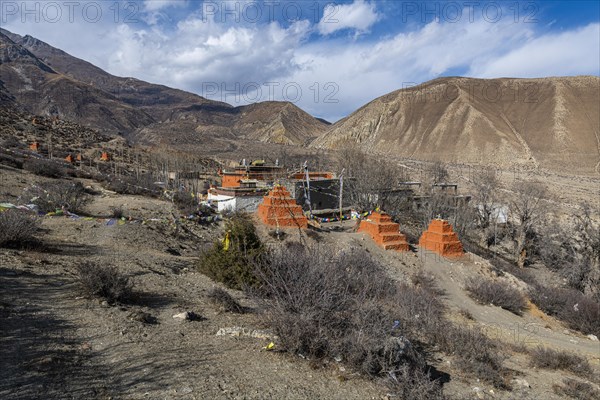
(353,215)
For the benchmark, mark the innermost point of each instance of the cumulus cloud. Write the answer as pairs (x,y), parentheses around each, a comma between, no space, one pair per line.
(358,16)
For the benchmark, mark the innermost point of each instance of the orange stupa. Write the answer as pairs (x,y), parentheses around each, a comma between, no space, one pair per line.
(279,209)
(105,156)
(441,238)
(384,232)
(69,159)
(35,146)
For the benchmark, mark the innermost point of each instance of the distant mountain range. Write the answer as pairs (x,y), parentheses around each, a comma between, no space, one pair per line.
(47,81)
(552,123)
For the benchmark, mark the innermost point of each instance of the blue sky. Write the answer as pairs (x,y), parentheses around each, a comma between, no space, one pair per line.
(328,58)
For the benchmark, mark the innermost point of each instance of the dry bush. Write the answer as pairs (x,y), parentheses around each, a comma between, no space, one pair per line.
(51,196)
(117,212)
(580,312)
(501,294)
(17,228)
(415,384)
(104,281)
(10,160)
(478,353)
(142,184)
(546,358)
(234,267)
(185,203)
(326,306)
(13,142)
(43,167)
(577,390)
(344,306)
(225,301)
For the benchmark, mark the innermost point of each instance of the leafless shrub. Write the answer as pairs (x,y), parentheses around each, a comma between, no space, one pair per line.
(50,196)
(12,141)
(543,357)
(477,352)
(10,160)
(104,281)
(415,384)
(337,307)
(225,301)
(117,212)
(576,389)
(17,228)
(501,294)
(580,312)
(185,202)
(345,307)
(43,167)
(141,184)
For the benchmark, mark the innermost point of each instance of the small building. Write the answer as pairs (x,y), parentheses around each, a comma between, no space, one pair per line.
(257,170)
(246,197)
(35,146)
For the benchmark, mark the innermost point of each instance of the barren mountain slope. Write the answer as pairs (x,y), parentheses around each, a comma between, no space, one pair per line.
(270,122)
(175,116)
(551,122)
(43,91)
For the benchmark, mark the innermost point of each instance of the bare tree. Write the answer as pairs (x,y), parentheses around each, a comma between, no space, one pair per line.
(527,208)
(372,182)
(438,172)
(485,193)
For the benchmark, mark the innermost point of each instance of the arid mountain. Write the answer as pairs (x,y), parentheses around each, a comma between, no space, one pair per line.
(41,90)
(75,89)
(551,122)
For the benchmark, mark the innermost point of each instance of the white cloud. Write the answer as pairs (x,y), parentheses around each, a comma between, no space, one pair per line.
(359,16)
(574,52)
